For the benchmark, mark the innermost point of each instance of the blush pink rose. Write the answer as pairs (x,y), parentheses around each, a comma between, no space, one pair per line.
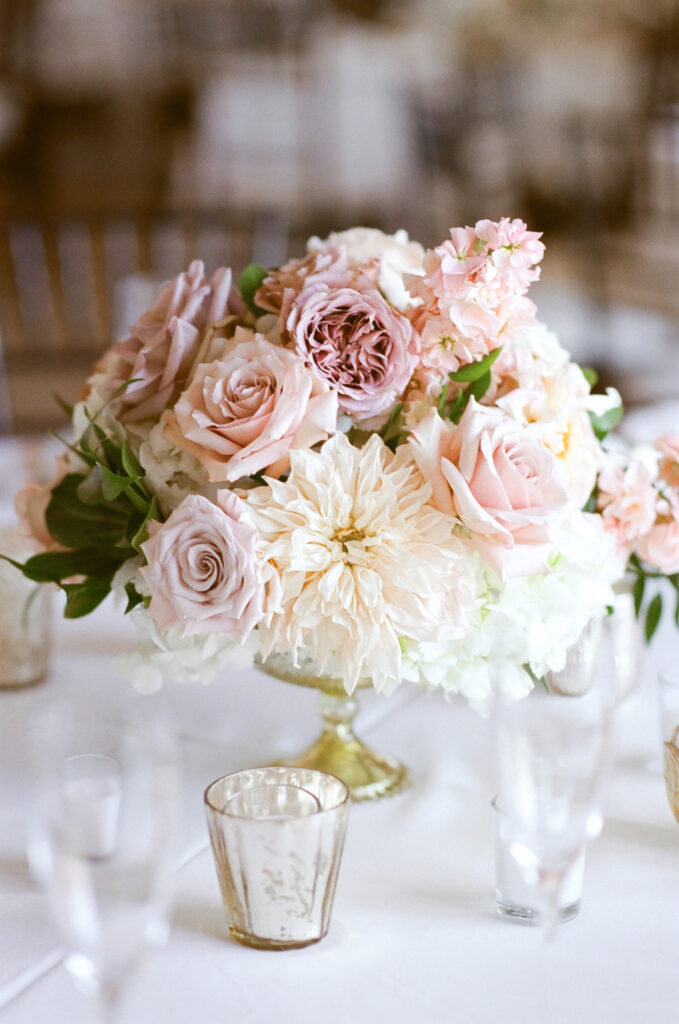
(30,505)
(244,412)
(359,344)
(668,445)
(162,346)
(660,547)
(500,480)
(203,571)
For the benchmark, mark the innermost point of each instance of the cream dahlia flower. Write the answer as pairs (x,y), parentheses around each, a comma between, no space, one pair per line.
(358,562)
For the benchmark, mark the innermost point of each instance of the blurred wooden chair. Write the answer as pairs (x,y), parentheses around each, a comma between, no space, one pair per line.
(70,285)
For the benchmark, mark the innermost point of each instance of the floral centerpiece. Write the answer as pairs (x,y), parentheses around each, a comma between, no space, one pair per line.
(374,459)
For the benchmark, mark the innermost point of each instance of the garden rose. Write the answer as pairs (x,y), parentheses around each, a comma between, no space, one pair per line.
(203,571)
(243,412)
(502,482)
(163,344)
(627,500)
(356,342)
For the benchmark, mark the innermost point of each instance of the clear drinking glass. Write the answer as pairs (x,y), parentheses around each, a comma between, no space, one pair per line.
(100,836)
(25,617)
(277,836)
(551,756)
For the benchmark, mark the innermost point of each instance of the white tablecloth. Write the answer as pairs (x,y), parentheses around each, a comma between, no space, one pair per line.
(414,935)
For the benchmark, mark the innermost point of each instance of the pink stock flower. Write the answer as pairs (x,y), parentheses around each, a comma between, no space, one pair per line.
(244,412)
(515,249)
(627,500)
(364,349)
(500,480)
(162,346)
(203,571)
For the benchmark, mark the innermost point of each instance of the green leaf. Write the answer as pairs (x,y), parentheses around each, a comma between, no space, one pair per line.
(638,592)
(113,485)
(141,533)
(676,610)
(76,524)
(82,598)
(250,280)
(653,616)
(590,375)
(602,425)
(55,566)
(472,371)
(133,597)
(131,463)
(458,406)
(63,405)
(478,387)
(443,399)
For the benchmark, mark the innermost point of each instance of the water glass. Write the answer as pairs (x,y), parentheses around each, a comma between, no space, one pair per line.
(277,837)
(100,829)
(25,618)
(514,897)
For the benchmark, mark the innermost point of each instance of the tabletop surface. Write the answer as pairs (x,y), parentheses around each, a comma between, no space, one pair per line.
(414,934)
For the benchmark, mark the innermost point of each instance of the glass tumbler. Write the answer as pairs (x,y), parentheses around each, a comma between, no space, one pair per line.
(277,837)
(25,618)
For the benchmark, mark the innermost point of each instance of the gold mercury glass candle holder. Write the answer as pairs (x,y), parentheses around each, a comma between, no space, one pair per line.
(277,837)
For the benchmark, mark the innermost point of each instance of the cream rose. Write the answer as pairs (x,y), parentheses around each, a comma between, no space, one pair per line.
(501,481)
(203,571)
(243,412)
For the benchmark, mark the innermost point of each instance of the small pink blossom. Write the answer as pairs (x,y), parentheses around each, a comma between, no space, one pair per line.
(660,547)
(162,346)
(500,480)
(31,504)
(359,344)
(202,569)
(243,412)
(628,501)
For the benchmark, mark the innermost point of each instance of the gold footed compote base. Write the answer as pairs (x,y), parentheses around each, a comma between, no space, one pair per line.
(338,750)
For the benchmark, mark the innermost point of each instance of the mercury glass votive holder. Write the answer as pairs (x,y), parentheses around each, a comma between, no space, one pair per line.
(277,837)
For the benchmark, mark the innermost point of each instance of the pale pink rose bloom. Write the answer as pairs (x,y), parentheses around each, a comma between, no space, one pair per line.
(628,500)
(452,267)
(503,483)
(364,349)
(162,346)
(244,412)
(660,547)
(203,571)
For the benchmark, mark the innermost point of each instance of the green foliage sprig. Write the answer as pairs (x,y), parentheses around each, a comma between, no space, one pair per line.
(477,377)
(654,609)
(100,517)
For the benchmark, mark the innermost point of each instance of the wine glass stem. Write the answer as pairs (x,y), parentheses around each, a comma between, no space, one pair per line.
(551,889)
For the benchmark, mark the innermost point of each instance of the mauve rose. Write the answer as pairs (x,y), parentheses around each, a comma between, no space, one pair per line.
(501,481)
(203,571)
(355,341)
(243,412)
(660,547)
(163,344)
(329,268)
